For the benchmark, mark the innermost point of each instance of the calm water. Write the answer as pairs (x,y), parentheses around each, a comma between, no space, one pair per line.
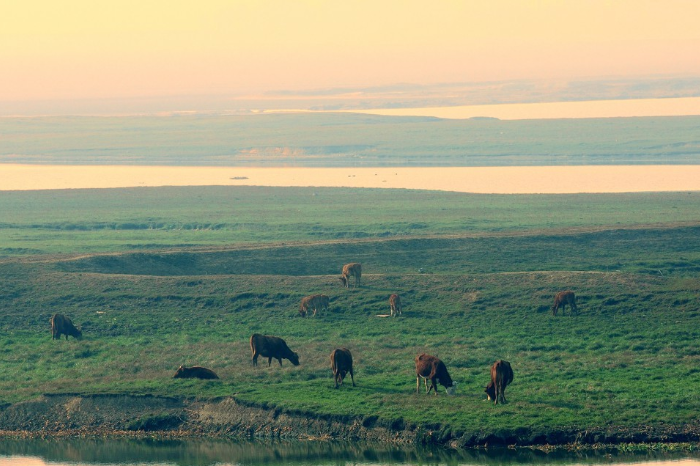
(79,452)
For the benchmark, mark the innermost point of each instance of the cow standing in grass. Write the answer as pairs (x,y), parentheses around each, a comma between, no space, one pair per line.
(271,347)
(501,377)
(562,299)
(351,270)
(395,305)
(315,302)
(62,325)
(430,367)
(341,364)
(194,372)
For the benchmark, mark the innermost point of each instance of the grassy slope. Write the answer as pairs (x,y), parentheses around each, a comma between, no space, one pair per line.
(628,359)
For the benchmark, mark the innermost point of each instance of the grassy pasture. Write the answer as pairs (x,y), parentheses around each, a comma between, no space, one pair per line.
(629,359)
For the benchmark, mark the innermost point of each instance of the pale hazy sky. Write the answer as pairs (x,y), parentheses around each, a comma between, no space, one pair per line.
(77,49)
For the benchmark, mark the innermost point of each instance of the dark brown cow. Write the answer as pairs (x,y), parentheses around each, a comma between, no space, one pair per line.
(62,325)
(395,305)
(341,365)
(562,299)
(315,302)
(430,367)
(194,372)
(271,347)
(351,270)
(501,377)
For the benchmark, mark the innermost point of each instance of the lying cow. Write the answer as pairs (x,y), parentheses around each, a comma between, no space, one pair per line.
(62,325)
(341,364)
(395,305)
(501,377)
(430,367)
(194,372)
(562,299)
(351,270)
(271,347)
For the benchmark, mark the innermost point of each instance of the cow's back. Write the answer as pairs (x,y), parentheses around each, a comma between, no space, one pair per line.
(502,373)
(427,365)
(341,359)
(266,345)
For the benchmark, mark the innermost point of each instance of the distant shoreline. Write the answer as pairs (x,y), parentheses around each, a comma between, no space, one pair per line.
(485,180)
(682,106)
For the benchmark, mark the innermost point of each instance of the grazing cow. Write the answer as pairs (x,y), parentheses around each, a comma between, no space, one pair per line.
(562,299)
(395,305)
(315,302)
(430,367)
(271,347)
(501,377)
(194,372)
(341,364)
(61,324)
(351,270)
(304,305)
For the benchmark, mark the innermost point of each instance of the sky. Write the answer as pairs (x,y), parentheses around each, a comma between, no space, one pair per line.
(90,49)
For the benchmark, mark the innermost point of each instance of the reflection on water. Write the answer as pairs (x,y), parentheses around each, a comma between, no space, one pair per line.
(221,452)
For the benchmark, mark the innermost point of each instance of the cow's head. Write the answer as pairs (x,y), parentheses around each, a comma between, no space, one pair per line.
(77,333)
(179,373)
(294,358)
(451,389)
(344,280)
(490,391)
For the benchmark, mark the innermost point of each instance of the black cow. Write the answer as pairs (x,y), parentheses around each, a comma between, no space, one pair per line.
(341,364)
(194,372)
(62,325)
(271,347)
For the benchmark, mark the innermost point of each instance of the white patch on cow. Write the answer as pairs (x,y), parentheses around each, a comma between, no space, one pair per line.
(451,390)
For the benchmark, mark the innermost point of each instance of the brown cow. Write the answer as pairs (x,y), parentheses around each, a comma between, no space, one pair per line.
(351,270)
(341,364)
(430,367)
(271,347)
(501,377)
(315,302)
(562,299)
(61,324)
(395,305)
(194,372)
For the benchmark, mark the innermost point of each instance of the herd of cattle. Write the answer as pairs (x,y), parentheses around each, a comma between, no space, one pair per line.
(428,367)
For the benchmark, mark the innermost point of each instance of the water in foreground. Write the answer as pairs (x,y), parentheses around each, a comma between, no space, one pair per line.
(84,452)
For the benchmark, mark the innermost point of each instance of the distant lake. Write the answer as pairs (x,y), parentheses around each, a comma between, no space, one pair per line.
(550,110)
(93,452)
(499,180)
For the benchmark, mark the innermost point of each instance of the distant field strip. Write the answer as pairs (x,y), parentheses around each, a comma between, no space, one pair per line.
(497,180)
(326,140)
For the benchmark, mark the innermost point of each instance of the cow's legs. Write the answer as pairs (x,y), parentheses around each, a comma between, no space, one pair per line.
(352,377)
(433,386)
(255,359)
(278,360)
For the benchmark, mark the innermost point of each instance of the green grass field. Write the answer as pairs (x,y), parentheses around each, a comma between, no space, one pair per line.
(167,276)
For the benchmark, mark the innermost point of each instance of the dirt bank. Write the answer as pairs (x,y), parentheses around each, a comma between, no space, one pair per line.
(124,415)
